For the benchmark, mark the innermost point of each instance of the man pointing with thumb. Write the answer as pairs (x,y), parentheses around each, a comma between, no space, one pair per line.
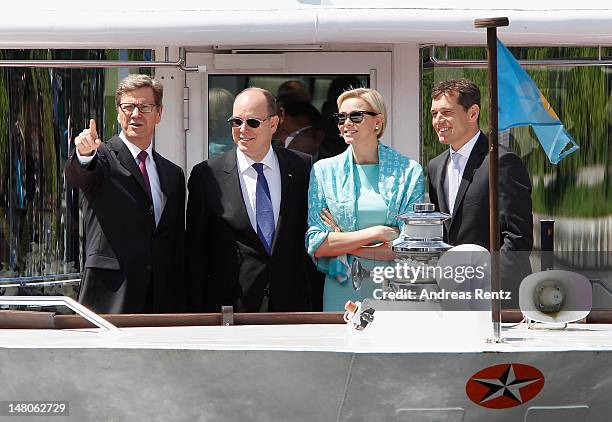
(133,209)
(88,142)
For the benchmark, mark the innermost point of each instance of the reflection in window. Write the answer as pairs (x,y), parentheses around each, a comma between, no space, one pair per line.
(577,192)
(41,110)
(321,91)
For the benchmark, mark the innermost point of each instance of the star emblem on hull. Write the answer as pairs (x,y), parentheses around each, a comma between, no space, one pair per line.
(506,385)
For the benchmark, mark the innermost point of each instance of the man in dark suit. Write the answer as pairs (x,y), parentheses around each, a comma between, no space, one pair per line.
(459,182)
(246,218)
(133,207)
(300,128)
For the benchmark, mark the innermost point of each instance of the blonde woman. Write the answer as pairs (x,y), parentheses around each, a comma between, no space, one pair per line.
(355,197)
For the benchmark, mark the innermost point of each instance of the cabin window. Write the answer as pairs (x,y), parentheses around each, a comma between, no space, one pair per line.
(319,90)
(577,192)
(41,110)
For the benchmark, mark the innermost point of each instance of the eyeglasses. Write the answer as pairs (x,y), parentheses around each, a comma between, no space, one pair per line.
(252,122)
(128,108)
(354,116)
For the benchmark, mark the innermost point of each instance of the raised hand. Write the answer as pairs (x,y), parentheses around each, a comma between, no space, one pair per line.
(88,142)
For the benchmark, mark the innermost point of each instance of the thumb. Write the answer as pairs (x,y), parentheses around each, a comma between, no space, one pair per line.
(92,128)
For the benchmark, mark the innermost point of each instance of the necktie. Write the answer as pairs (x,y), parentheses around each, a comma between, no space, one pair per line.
(263,209)
(454,179)
(142,156)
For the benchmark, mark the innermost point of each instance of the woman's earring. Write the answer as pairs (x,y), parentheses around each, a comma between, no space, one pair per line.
(376,128)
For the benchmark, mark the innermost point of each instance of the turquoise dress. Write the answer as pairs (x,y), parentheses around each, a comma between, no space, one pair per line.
(336,184)
(371,210)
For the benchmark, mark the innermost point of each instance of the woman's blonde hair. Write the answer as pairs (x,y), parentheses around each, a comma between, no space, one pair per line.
(374,100)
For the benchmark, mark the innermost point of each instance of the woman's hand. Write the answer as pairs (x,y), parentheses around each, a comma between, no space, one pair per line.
(380,252)
(385,233)
(329,220)
(340,243)
(380,233)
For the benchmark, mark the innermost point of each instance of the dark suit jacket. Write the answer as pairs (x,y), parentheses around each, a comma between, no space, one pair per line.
(131,266)
(470,218)
(227,263)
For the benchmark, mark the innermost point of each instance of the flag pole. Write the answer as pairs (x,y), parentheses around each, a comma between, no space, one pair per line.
(492,24)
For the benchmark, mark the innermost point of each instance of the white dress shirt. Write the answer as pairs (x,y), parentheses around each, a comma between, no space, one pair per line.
(293,134)
(248,183)
(159,199)
(454,170)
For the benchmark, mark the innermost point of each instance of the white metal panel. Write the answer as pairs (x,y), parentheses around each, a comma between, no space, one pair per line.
(169,133)
(456,26)
(190,23)
(250,62)
(557,413)
(196,136)
(136,383)
(423,334)
(405,105)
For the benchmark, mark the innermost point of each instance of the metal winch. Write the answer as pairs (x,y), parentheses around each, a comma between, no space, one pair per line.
(418,248)
(421,238)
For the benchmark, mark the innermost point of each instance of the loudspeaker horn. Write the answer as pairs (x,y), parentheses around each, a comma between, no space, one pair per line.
(555,296)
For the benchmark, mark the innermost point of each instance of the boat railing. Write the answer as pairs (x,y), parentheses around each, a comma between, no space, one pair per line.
(79,309)
(40,281)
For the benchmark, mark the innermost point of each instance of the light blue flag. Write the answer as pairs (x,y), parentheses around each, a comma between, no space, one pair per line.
(521,103)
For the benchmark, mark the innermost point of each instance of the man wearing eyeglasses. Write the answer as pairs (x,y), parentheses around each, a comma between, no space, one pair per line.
(133,209)
(246,218)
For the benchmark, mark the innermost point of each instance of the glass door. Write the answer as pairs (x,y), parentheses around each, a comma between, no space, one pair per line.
(301,81)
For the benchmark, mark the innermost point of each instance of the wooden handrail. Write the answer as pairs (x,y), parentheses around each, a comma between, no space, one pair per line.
(182,320)
(49,320)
